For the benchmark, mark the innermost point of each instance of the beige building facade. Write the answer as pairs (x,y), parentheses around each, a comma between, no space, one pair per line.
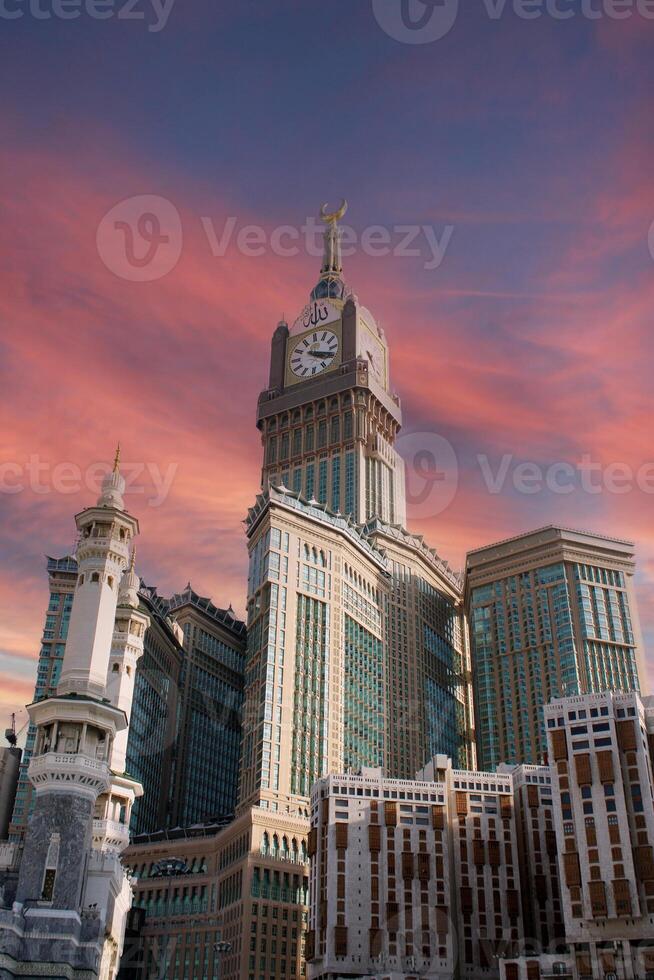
(242,884)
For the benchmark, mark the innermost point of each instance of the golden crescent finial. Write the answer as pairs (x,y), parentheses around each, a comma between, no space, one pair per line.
(132,561)
(334,216)
(117,458)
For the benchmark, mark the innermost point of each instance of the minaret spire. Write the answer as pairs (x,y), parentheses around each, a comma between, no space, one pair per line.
(331,285)
(113,486)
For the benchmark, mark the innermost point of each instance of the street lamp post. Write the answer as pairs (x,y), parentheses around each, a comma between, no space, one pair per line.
(220,948)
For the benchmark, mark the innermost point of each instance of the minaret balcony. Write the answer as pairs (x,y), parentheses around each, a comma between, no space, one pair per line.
(110,835)
(61,772)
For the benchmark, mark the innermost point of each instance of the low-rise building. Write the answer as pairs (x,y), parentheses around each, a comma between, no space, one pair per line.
(241,883)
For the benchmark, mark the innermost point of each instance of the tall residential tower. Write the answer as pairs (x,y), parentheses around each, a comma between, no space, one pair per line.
(552,614)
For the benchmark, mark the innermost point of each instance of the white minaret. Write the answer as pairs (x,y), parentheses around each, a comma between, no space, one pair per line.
(106,533)
(126,651)
(73,894)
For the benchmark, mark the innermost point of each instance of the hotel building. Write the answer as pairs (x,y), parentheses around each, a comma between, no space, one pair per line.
(539,874)
(551,613)
(414,878)
(204,784)
(600,749)
(355,627)
(62,576)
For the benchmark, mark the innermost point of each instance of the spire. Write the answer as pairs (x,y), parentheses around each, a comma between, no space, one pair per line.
(113,486)
(331,285)
(130,584)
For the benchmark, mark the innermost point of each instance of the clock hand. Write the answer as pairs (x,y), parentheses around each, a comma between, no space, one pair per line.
(322,354)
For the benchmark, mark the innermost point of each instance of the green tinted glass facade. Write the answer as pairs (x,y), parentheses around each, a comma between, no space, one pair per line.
(363,701)
(311,697)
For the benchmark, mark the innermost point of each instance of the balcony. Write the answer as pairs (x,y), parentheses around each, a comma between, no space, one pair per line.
(65,762)
(110,833)
(50,770)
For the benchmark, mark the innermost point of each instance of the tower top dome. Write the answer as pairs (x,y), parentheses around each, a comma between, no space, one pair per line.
(130,584)
(113,486)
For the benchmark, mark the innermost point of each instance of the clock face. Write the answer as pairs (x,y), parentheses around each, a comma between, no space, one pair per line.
(314,353)
(376,360)
(372,348)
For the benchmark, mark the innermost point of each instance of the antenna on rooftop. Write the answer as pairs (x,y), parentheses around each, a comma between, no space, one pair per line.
(10,733)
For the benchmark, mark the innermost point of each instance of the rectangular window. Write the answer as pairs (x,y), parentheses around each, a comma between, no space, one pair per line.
(322,481)
(310,485)
(336,483)
(350,484)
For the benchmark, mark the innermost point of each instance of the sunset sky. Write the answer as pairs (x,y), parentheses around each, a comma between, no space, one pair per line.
(531,341)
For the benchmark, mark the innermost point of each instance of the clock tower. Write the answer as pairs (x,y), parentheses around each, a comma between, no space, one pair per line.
(329,418)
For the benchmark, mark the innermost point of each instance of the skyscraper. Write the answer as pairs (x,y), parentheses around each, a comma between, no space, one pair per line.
(10,757)
(210,705)
(72,894)
(367,617)
(153,724)
(62,575)
(356,651)
(552,613)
